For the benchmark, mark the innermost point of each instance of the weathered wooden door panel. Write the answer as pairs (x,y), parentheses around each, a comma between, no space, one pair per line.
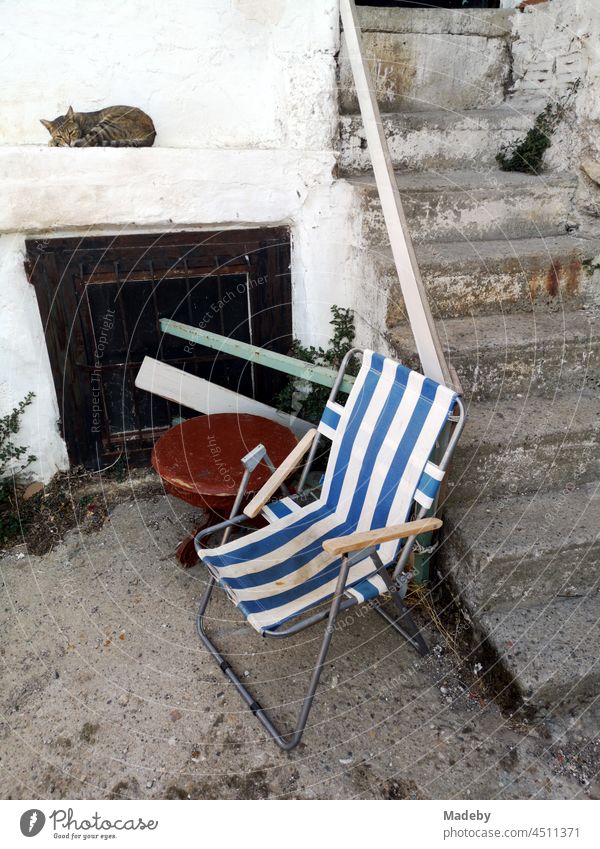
(101,299)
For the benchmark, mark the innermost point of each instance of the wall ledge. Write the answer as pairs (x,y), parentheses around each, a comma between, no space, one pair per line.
(48,188)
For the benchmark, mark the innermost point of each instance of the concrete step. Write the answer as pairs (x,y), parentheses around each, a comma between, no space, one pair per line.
(517,551)
(435,139)
(485,22)
(525,445)
(527,569)
(424,59)
(480,278)
(550,651)
(499,356)
(471,205)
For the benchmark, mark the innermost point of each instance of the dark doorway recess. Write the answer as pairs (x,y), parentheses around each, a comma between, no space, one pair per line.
(434,4)
(101,300)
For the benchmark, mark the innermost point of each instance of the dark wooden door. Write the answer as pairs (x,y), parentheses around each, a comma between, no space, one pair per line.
(101,300)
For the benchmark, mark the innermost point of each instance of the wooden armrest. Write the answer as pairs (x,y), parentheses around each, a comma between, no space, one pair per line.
(364,539)
(291,462)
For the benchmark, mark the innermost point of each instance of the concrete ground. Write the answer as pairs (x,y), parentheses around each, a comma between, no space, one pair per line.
(107,693)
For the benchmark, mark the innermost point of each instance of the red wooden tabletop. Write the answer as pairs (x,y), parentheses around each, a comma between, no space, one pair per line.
(199,460)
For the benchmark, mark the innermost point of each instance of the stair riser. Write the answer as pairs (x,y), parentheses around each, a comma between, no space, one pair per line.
(429,148)
(520,581)
(526,569)
(511,285)
(422,71)
(549,652)
(481,214)
(550,368)
(494,471)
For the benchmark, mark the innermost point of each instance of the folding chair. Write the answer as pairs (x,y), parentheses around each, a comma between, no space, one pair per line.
(345,547)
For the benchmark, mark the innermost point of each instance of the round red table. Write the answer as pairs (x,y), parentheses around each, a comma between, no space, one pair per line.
(199,462)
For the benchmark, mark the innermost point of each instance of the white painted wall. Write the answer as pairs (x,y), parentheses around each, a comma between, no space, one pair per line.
(243,96)
(24,362)
(216,73)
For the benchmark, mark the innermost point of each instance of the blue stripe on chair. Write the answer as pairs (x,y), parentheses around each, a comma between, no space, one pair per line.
(294,593)
(279,509)
(331,416)
(303,556)
(346,449)
(289,565)
(307,553)
(266,545)
(368,588)
(384,436)
(405,448)
(429,485)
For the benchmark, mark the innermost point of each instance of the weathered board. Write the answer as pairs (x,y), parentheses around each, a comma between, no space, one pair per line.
(206,397)
(262,356)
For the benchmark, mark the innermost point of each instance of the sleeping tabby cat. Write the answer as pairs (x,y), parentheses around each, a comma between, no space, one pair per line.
(115,126)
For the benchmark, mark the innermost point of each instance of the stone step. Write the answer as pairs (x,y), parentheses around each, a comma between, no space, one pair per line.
(435,139)
(518,551)
(479,278)
(424,59)
(471,205)
(527,569)
(525,445)
(550,651)
(485,22)
(499,356)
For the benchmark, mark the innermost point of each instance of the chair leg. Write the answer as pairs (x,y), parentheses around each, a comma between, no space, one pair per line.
(405,625)
(289,742)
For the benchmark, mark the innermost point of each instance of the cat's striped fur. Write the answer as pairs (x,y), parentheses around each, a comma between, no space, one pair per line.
(115,126)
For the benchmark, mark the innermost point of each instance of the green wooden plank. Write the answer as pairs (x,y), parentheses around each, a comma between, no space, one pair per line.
(297,368)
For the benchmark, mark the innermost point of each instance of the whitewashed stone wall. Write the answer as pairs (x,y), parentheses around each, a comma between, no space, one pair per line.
(243,96)
(557,44)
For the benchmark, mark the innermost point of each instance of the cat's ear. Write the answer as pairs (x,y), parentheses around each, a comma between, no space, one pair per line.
(47,124)
(70,112)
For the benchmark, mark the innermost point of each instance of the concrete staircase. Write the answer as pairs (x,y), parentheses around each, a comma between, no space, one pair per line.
(510,284)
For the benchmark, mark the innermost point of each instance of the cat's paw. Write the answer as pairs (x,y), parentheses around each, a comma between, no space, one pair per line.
(78,143)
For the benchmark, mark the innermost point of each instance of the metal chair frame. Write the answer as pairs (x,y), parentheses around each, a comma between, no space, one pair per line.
(396,583)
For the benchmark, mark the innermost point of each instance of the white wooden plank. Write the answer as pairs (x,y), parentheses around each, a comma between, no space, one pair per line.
(206,397)
(423,327)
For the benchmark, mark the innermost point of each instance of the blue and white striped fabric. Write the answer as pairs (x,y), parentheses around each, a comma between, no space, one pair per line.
(429,484)
(381,442)
(332,416)
(278,509)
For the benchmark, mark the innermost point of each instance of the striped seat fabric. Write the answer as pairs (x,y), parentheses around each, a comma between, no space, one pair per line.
(378,465)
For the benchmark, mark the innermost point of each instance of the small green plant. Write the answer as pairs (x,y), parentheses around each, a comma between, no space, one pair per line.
(527,154)
(13,459)
(305,399)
